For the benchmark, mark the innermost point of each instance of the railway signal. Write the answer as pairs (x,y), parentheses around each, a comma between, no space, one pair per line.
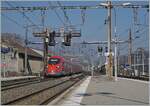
(67,39)
(100,49)
(51,39)
(106,49)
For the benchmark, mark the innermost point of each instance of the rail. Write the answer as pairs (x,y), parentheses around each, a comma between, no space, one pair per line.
(38,93)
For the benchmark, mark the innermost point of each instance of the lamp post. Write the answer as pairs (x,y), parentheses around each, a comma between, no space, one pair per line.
(115,60)
(109,36)
(109,6)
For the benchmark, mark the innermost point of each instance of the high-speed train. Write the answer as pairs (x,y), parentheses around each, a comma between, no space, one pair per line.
(60,66)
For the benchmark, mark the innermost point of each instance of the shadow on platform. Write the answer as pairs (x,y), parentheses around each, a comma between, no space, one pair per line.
(107,94)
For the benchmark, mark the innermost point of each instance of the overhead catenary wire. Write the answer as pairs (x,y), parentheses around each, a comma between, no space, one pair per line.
(135,43)
(43,18)
(83,14)
(65,13)
(139,42)
(12,20)
(58,16)
(23,15)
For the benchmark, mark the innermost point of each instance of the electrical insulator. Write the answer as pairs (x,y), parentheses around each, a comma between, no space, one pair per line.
(51,39)
(67,39)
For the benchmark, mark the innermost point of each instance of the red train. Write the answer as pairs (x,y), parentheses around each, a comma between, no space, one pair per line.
(59,66)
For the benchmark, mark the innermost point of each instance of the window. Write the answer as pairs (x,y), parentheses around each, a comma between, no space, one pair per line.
(53,61)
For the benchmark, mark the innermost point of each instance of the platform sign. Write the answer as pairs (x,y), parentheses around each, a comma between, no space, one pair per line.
(5,50)
(126,65)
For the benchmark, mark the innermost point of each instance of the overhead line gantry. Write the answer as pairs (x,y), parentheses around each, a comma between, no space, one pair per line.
(33,8)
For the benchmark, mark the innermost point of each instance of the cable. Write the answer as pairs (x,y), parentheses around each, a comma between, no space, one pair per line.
(141,31)
(139,42)
(56,13)
(24,15)
(135,43)
(65,14)
(123,31)
(83,16)
(43,18)
(12,20)
(123,47)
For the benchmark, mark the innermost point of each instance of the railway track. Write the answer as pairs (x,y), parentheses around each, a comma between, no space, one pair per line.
(10,82)
(38,93)
(22,83)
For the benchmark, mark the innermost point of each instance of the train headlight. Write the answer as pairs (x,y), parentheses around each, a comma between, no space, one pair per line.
(57,66)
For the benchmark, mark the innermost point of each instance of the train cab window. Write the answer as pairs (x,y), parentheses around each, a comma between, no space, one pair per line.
(53,61)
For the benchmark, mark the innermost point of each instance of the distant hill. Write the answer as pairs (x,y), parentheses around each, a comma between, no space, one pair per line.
(10,38)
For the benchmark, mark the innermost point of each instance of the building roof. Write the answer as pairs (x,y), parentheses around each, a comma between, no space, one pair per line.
(19,47)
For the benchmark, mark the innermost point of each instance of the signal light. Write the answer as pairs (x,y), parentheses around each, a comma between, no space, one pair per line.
(51,39)
(67,39)
(100,49)
(106,49)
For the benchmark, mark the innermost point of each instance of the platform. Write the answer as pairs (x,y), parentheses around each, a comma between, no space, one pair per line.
(100,91)
(17,78)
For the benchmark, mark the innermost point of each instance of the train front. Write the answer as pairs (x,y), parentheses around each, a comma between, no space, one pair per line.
(54,67)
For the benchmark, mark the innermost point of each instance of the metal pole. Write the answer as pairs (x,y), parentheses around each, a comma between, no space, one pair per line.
(143,62)
(102,59)
(44,53)
(134,61)
(71,65)
(44,41)
(25,69)
(116,59)
(109,41)
(100,62)
(92,70)
(137,67)
(92,62)
(130,48)
(46,49)
(4,66)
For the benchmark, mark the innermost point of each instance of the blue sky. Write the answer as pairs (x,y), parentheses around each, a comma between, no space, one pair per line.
(93,29)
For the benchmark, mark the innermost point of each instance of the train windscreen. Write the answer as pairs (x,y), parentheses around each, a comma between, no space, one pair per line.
(53,61)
